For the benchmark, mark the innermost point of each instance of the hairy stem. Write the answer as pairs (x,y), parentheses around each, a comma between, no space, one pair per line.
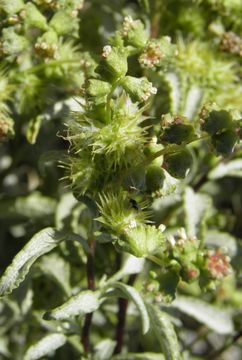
(123,305)
(91,286)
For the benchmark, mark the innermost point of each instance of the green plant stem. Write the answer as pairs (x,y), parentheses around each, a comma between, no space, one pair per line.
(155,260)
(91,286)
(122,305)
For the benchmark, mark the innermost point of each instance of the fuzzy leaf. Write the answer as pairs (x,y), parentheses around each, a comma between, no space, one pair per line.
(64,208)
(132,265)
(33,206)
(46,345)
(221,239)
(196,208)
(83,303)
(57,269)
(132,294)
(41,243)
(232,168)
(104,349)
(165,333)
(218,320)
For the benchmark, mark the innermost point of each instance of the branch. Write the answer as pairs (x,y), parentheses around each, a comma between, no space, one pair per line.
(123,305)
(91,285)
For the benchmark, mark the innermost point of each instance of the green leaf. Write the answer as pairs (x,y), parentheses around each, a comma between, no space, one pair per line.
(57,269)
(216,319)
(220,239)
(33,129)
(165,333)
(33,206)
(141,356)
(64,209)
(196,207)
(132,265)
(83,303)
(4,346)
(132,294)
(231,168)
(104,349)
(41,243)
(193,101)
(45,346)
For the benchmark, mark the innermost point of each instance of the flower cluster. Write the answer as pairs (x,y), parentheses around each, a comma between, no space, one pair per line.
(231,43)
(218,264)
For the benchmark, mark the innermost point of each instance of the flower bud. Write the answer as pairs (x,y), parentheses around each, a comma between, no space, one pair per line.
(134,33)
(231,43)
(113,64)
(178,164)
(139,89)
(47,45)
(218,264)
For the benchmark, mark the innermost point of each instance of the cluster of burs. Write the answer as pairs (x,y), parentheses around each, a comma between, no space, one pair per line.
(121,158)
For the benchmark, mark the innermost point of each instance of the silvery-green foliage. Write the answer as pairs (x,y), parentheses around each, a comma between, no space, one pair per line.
(120,179)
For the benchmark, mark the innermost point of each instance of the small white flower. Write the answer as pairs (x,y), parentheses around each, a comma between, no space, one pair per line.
(107,49)
(162,227)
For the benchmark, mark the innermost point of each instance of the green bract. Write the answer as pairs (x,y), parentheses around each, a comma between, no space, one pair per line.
(113,65)
(178,164)
(142,240)
(33,17)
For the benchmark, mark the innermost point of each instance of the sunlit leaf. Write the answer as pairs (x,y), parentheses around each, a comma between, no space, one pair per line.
(41,243)
(46,345)
(132,294)
(216,319)
(165,333)
(196,208)
(83,303)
